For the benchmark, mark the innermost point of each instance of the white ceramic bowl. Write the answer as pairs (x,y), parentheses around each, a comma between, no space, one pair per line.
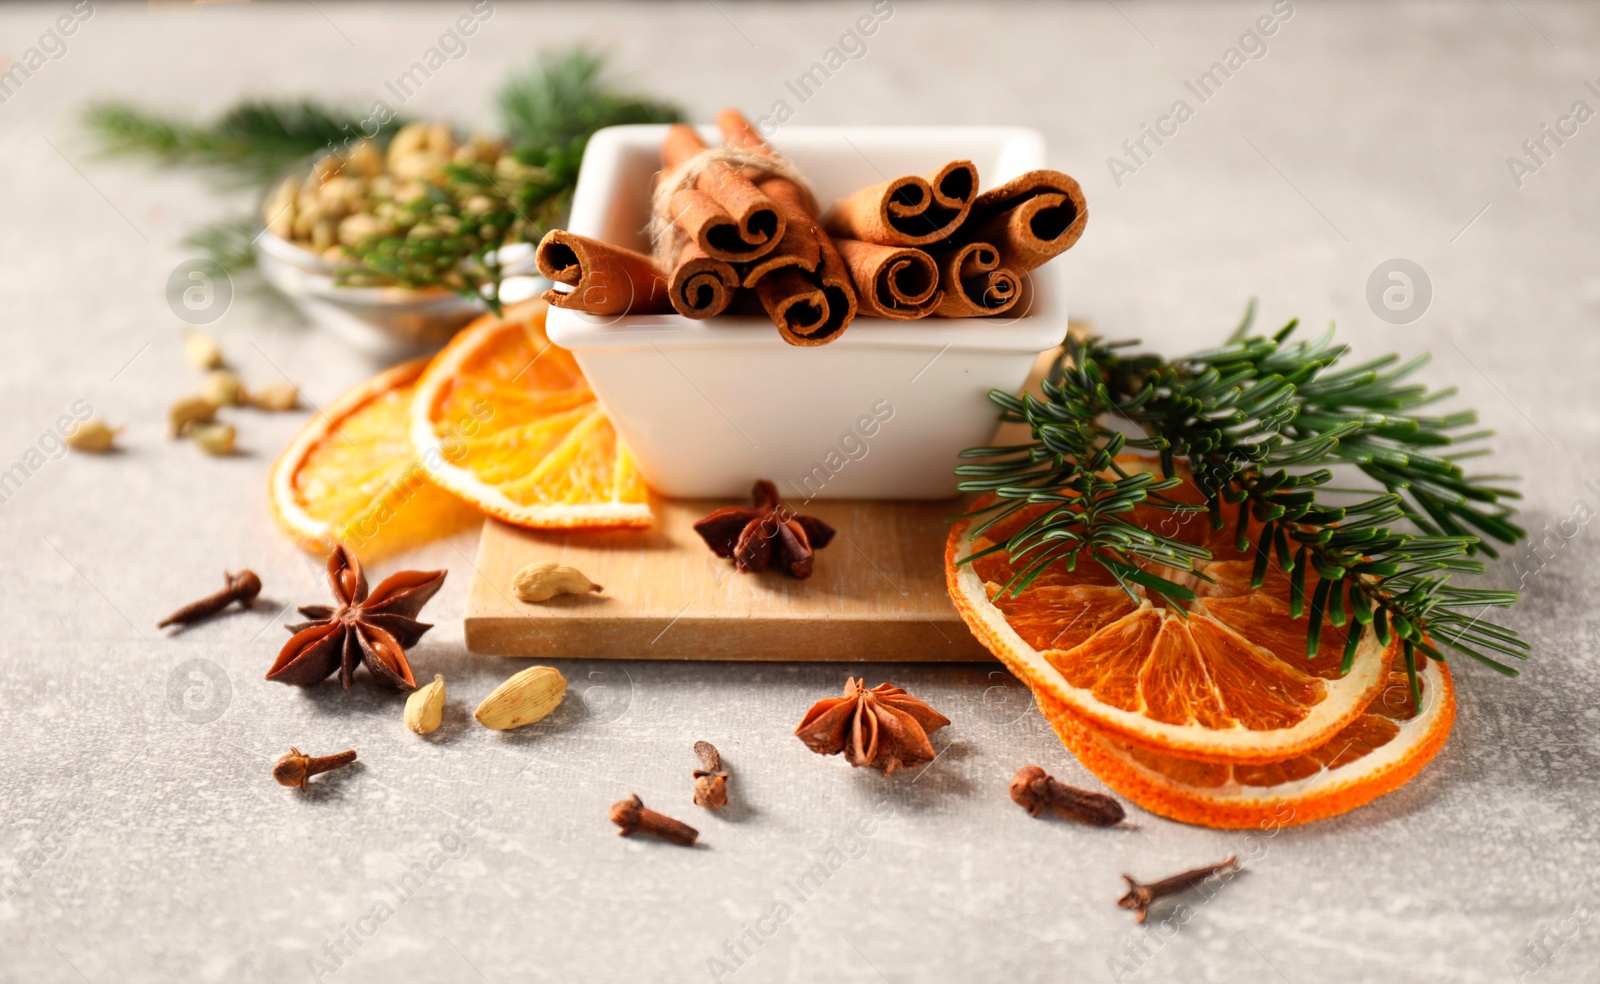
(881,413)
(390,321)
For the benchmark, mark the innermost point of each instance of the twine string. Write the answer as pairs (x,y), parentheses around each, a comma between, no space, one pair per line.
(665,244)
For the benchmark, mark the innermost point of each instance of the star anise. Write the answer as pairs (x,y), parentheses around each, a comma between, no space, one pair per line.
(375,629)
(884,727)
(767,534)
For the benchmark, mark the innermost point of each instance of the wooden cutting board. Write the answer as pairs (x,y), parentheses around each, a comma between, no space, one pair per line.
(877,593)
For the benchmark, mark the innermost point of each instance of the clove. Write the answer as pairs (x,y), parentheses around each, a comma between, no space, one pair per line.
(631,814)
(243,587)
(296,767)
(1035,790)
(1140,897)
(710,780)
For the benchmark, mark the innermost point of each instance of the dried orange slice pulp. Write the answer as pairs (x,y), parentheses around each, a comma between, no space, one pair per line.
(1225,680)
(349,476)
(504,419)
(1377,753)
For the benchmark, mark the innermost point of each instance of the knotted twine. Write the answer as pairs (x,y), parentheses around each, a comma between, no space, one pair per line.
(664,244)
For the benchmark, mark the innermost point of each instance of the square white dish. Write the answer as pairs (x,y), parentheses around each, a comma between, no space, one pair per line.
(882,413)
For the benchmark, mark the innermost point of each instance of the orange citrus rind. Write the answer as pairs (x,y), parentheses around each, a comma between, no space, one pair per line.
(348,476)
(1383,749)
(504,419)
(1227,681)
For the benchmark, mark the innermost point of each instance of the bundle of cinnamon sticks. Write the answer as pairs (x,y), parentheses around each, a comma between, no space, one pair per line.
(736,228)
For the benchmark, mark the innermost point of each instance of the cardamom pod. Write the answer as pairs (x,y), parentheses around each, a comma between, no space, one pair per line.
(425,707)
(93,436)
(214,437)
(272,396)
(189,411)
(202,351)
(527,697)
(222,387)
(541,582)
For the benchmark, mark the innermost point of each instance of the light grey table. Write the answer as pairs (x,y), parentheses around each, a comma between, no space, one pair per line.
(141,839)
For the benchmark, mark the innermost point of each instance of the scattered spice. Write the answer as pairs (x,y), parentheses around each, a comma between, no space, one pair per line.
(364,191)
(711,779)
(1036,791)
(222,387)
(202,351)
(273,396)
(631,814)
(526,697)
(187,412)
(425,707)
(374,629)
(214,437)
(295,768)
(93,436)
(766,534)
(541,582)
(1140,897)
(242,586)
(884,727)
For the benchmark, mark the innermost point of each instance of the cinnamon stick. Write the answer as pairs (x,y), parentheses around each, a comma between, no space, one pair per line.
(738,131)
(1029,219)
(799,246)
(722,212)
(837,290)
(810,306)
(605,279)
(795,304)
(811,302)
(700,286)
(974,283)
(913,210)
(894,282)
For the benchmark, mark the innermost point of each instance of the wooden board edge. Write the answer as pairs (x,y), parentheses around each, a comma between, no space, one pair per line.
(717,639)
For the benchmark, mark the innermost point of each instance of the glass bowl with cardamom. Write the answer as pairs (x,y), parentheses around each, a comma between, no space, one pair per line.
(396,245)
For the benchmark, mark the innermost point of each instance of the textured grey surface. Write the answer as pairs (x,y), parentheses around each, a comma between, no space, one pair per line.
(141,842)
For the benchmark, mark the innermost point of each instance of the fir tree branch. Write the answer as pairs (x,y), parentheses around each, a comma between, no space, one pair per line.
(249,144)
(1259,423)
(551,109)
(548,113)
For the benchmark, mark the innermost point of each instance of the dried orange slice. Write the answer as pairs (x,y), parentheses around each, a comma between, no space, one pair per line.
(504,419)
(1377,753)
(1225,680)
(349,477)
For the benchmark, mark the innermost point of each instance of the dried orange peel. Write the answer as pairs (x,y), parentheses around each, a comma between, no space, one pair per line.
(1224,681)
(504,419)
(349,477)
(1211,715)
(1377,753)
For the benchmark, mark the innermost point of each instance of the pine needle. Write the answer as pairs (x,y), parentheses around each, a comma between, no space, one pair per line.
(1260,423)
(554,106)
(249,144)
(548,112)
